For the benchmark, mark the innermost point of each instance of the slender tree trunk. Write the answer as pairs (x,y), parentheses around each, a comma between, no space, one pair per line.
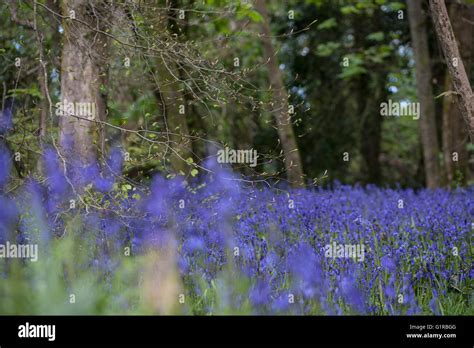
(44,107)
(455,135)
(81,79)
(368,109)
(43,72)
(176,110)
(165,76)
(102,92)
(429,138)
(293,164)
(371,132)
(455,64)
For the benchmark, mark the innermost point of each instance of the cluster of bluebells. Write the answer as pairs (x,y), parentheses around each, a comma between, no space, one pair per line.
(416,243)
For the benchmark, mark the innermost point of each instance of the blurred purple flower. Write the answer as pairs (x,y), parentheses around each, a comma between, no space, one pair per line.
(6,117)
(304,264)
(193,243)
(54,173)
(388,264)
(260,293)
(8,217)
(5,165)
(352,294)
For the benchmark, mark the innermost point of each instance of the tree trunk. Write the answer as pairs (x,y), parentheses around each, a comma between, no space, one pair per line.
(81,78)
(102,90)
(174,101)
(292,159)
(43,106)
(465,97)
(171,98)
(429,138)
(455,135)
(371,132)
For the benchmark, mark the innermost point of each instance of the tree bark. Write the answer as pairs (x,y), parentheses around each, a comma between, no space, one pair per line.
(43,105)
(455,135)
(165,77)
(444,31)
(427,119)
(371,132)
(292,159)
(81,78)
(173,98)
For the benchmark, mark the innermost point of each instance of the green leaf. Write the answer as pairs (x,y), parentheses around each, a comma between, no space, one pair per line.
(194,172)
(325,50)
(327,24)
(126,187)
(246,11)
(352,71)
(349,10)
(378,36)
(255,16)
(33,91)
(395,6)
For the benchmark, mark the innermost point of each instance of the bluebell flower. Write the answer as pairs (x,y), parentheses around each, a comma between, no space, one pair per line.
(388,264)
(54,173)
(5,165)
(193,243)
(8,217)
(6,117)
(260,293)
